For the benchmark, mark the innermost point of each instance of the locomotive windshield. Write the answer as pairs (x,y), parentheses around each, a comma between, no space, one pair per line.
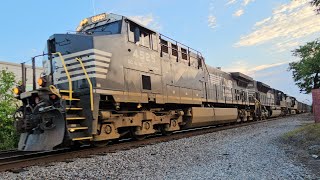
(105,29)
(102,24)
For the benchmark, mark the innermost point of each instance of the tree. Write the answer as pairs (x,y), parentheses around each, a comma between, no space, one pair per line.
(306,71)
(8,136)
(316,3)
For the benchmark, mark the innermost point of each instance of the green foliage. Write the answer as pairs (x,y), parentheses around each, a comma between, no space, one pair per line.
(8,136)
(316,3)
(306,71)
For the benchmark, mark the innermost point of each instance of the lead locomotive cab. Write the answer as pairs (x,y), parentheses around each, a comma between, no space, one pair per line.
(62,110)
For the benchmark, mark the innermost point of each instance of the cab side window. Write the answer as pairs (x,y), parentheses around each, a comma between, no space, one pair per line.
(164,46)
(145,39)
(155,42)
(134,33)
(184,54)
(142,36)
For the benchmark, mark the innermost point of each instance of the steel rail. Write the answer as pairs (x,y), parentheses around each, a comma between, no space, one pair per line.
(6,154)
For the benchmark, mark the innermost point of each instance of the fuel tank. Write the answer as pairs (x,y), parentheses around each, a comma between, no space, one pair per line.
(275,113)
(200,116)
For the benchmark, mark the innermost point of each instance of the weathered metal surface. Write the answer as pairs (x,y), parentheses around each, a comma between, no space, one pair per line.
(316,104)
(204,115)
(275,113)
(46,140)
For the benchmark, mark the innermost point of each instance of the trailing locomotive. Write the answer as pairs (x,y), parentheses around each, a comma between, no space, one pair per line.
(116,78)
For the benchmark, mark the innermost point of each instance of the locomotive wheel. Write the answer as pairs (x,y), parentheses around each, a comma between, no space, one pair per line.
(164,132)
(264,117)
(139,137)
(77,144)
(136,137)
(85,142)
(100,143)
(167,133)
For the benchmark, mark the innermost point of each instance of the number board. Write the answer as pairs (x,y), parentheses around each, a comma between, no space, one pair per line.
(99,17)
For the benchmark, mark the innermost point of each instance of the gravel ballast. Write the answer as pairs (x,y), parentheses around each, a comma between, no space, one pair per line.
(250,152)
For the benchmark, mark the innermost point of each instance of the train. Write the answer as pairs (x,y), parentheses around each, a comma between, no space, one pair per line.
(116,78)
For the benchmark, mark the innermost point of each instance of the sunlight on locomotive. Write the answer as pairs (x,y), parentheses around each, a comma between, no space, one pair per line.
(116,78)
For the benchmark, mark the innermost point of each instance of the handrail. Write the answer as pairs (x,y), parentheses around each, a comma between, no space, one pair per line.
(89,81)
(67,73)
(161,35)
(188,53)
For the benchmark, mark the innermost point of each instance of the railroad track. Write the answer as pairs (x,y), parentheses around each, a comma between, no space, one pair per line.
(10,153)
(15,161)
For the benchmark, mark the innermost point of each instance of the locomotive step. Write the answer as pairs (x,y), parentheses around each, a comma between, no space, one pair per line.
(67,98)
(74,109)
(72,129)
(82,138)
(75,118)
(65,91)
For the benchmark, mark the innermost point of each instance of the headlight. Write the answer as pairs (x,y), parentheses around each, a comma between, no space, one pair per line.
(41,82)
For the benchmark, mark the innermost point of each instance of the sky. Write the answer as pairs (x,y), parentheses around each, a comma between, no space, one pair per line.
(255,37)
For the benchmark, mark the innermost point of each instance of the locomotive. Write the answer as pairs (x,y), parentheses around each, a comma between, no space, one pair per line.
(116,78)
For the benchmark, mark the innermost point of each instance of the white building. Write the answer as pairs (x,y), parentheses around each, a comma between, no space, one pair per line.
(16,69)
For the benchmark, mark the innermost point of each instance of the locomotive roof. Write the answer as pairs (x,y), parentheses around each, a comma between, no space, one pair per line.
(241,76)
(263,84)
(134,21)
(106,18)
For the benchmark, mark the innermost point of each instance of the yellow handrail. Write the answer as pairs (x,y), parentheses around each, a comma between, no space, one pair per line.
(89,81)
(67,73)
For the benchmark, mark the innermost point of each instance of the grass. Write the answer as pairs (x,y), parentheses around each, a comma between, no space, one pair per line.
(312,131)
(304,137)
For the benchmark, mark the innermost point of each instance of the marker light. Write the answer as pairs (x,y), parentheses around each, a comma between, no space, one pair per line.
(16,91)
(41,82)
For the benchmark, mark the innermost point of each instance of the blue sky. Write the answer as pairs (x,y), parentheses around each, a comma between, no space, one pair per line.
(250,36)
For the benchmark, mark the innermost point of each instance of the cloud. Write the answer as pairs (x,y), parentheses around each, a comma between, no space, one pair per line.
(246,2)
(267,66)
(237,66)
(211,6)
(288,23)
(212,21)
(243,67)
(243,4)
(283,46)
(144,20)
(230,2)
(147,20)
(238,13)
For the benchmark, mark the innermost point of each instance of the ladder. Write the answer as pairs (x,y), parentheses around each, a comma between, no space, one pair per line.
(77,122)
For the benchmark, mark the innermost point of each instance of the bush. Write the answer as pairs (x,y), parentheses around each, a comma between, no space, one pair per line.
(8,135)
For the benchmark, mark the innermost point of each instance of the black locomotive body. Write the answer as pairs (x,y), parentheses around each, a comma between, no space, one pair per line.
(116,78)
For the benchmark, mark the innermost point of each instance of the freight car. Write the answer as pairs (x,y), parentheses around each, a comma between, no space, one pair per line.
(116,78)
